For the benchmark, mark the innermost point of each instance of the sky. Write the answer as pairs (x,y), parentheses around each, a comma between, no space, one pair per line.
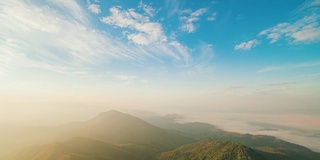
(249,63)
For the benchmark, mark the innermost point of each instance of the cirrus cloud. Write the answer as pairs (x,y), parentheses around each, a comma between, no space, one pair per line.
(189,21)
(148,32)
(247,45)
(65,41)
(305,29)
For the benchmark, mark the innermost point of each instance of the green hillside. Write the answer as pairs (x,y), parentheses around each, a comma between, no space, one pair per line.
(79,149)
(268,145)
(212,150)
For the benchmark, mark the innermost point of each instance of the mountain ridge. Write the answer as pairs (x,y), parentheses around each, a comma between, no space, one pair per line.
(269,146)
(125,133)
(212,150)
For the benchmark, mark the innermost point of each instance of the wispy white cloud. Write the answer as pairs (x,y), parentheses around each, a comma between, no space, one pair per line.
(314,3)
(72,9)
(94,8)
(148,32)
(189,21)
(43,36)
(212,17)
(246,45)
(302,30)
(39,36)
(309,4)
(290,66)
(149,35)
(200,67)
(34,35)
(148,9)
(173,6)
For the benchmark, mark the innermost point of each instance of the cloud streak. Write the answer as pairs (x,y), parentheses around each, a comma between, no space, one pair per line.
(289,67)
(148,9)
(38,36)
(212,17)
(247,45)
(148,32)
(173,6)
(149,35)
(62,39)
(305,29)
(189,21)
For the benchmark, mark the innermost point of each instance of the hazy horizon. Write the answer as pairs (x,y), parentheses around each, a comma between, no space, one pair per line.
(245,66)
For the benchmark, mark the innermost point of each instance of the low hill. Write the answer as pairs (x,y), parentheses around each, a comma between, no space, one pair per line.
(81,149)
(212,150)
(268,145)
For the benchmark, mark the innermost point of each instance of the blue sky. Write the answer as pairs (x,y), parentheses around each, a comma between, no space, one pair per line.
(240,57)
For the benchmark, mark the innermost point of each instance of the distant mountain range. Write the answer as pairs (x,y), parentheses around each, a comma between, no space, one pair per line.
(118,136)
(269,146)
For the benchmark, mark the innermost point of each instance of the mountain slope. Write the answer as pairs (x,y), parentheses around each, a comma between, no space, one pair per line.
(119,128)
(112,127)
(80,149)
(268,145)
(126,135)
(212,150)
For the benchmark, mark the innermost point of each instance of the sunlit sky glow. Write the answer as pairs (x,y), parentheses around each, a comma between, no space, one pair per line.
(257,58)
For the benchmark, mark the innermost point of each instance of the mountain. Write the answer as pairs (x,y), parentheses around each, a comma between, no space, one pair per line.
(212,150)
(112,127)
(119,128)
(80,149)
(270,146)
(108,132)
(115,135)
